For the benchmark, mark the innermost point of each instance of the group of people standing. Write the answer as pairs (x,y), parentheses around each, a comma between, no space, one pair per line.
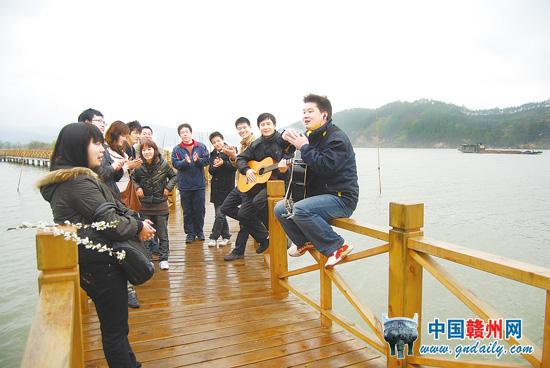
(91,167)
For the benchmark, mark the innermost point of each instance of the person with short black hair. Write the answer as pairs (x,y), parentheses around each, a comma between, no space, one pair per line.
(110,171)
(146,132)
(331,189)
(189,158)
(221,184)
(253,210)
(235,197)
(77,194)
(133,139)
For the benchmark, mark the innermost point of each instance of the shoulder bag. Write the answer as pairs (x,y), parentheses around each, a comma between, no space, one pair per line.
(130,198)
(136,264)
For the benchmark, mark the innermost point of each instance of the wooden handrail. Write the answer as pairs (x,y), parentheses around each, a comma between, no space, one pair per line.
(55,338)
(409,254)
(30,153)
(501,266)
(373,231)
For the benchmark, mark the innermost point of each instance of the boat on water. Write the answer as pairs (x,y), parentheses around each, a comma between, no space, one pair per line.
(480,148)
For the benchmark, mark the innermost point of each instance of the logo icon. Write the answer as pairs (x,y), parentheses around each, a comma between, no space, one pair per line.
(400,331)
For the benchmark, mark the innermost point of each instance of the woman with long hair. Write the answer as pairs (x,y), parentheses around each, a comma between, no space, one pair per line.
(155,179)
(76,194)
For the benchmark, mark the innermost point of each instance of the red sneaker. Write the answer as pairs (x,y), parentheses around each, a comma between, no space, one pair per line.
(338,255)
(296,251)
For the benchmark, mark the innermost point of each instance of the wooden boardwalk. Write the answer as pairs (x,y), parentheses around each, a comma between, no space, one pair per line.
(205,312)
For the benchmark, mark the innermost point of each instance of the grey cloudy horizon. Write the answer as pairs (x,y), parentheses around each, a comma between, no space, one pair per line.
(209,62)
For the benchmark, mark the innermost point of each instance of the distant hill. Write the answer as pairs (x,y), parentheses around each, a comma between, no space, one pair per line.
(429,123)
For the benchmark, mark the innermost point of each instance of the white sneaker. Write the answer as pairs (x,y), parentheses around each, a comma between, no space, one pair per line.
(211,243)
(224,242)
(295,251)
(338,255)
(164,265)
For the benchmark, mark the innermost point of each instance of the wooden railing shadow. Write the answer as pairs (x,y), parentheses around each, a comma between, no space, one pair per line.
(409,254)
(55,337)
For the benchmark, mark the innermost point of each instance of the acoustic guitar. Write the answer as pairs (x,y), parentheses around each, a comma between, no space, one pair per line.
(263,170)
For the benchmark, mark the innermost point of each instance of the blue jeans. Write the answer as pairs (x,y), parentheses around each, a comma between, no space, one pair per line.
(310,221)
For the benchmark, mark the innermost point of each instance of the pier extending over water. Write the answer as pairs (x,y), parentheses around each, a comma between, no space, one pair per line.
(197,312)
(37,157)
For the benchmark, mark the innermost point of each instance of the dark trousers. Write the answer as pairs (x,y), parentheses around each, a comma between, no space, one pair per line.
(192,202)
(161,225)
(230,207)
(252,213)
(220,227)
(105,284)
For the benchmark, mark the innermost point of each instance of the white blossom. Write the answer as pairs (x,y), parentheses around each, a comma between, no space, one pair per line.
(88,244)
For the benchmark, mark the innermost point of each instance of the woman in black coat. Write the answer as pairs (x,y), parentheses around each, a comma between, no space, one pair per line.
(77,194)
(155,179)
(223,182)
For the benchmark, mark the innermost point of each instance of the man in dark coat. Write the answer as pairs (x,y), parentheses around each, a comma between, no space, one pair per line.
(221,184)
(331,188)
(253,210)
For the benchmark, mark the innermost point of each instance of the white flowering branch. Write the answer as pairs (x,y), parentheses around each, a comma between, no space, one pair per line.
(88,244)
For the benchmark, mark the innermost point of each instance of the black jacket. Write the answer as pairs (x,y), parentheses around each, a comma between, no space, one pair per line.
(153,179)
(109,175)
(331,164)
(75,194)
(274,146)
(223,178)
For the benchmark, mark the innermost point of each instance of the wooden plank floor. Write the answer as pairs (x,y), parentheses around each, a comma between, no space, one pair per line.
(205,312)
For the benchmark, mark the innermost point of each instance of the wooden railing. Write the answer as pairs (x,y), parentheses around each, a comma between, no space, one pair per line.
(55,338)
(30,153)
(409,254)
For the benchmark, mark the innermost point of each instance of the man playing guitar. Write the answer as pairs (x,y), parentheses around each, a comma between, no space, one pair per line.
(234,198)
(332,190)
(253,210)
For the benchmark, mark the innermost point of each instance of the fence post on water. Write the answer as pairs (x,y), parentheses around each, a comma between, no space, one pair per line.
(405,274)
(57,259)
(277,238)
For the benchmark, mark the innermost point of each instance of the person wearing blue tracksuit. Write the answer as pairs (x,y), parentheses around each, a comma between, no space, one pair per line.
(189,158)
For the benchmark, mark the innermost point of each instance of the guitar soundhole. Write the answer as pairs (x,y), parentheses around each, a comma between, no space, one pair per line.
(261,171)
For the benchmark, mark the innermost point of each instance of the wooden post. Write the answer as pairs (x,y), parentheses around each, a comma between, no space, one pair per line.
(277,237)
(325,291)
(57,259)
(405,274)
(546,337)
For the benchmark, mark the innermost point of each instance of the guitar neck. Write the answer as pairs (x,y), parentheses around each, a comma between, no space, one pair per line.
(272,167)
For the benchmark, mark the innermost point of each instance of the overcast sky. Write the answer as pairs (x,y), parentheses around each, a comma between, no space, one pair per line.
(208,62)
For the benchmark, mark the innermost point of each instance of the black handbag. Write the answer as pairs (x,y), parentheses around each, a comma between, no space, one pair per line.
(136,265)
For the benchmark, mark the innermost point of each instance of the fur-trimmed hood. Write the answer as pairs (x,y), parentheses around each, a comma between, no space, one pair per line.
(48,183)
(62,175)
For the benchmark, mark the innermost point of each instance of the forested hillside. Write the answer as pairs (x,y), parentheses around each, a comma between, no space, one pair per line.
(428,123)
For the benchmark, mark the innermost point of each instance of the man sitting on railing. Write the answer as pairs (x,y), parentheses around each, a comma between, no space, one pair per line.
(331,188)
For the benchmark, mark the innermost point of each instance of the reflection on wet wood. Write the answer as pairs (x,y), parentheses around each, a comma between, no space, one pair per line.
(206,312)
